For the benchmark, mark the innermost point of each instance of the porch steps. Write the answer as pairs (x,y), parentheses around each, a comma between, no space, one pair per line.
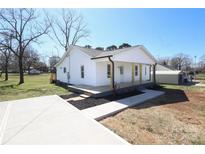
(82,91)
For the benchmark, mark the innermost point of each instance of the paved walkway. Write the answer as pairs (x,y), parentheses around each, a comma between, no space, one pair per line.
(104,110)
(50,120)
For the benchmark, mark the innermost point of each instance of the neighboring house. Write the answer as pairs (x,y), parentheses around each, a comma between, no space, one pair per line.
(83,66)
(34,71)
(165,74)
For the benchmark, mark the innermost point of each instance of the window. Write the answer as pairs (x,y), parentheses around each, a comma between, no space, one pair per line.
(136,70)
(108,71)
(82,71)
(64,69)
(121,70)
(145,71)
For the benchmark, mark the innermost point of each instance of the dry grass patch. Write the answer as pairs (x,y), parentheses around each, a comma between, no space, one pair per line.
(178,117)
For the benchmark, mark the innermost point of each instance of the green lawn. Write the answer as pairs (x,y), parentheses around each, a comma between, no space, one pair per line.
(201,77)
(35,85)
(183,87)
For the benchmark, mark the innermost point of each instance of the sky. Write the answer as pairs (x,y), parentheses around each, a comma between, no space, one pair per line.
(164,32)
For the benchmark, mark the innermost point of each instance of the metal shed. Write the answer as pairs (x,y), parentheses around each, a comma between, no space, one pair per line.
(170,77)
(165,74)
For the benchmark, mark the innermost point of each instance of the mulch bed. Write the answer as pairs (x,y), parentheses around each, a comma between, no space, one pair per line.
(90,102)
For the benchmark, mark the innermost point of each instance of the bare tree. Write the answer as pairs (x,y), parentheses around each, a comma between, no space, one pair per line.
(181,62)
(5,55)
(31,59)
(68,27)
(23,28)
(164,61)
(201,63)
(1,64)
(53,60)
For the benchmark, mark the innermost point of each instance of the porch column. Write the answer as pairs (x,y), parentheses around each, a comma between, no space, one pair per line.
(140,73)
(150,67)
(112,73)
(154,73)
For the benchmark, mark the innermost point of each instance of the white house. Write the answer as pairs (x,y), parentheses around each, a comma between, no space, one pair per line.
(84,66)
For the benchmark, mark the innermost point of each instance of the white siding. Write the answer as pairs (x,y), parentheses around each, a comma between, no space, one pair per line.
(101,73)
(77,59)
(126,76)
(95,71)
(134,55)
(145,73)
(61,76)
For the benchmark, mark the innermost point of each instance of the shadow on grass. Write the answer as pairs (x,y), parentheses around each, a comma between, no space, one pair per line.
(8,86)
(171,96)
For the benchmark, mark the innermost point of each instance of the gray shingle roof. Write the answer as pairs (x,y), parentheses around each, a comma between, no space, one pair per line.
(90,52)
(98,53)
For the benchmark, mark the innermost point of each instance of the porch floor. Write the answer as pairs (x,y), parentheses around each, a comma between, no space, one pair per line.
(107,88)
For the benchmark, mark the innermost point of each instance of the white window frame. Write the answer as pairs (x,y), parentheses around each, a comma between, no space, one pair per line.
(121,70)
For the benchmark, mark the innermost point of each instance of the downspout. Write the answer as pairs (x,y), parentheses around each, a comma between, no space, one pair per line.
(113,73)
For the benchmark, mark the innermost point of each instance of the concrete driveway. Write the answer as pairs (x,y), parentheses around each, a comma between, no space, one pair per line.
(50,120)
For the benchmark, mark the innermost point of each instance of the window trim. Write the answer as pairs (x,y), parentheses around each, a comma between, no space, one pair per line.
(121,70)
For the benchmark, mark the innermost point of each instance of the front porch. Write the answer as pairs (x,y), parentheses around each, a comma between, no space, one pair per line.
(100,91)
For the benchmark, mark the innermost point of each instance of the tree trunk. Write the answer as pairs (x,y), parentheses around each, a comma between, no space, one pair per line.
(21,74)
(6,71)
(29,71)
